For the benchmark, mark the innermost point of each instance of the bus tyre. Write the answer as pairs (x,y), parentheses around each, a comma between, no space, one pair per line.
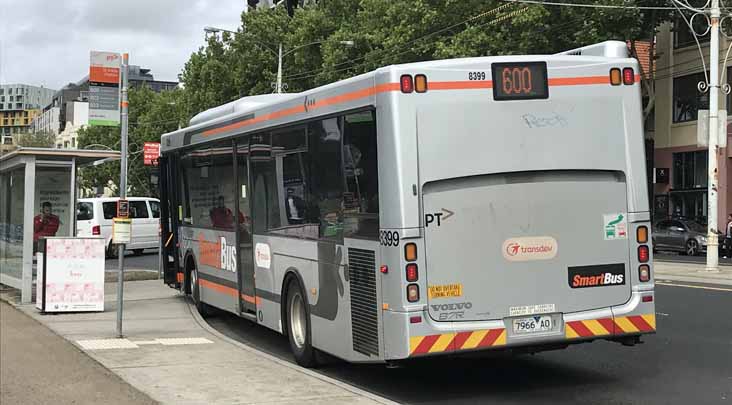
(203,308)
(298,326)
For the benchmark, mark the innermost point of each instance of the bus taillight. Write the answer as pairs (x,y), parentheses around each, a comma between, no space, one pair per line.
(628,76)
(641,234)
(412,293)
(615,77)
(410,252)
(407,84)
(420,83)
(412,273)
(644,272)
(643,254)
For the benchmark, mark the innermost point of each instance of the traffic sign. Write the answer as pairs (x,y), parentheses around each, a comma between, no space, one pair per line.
(123,208)
(150,153)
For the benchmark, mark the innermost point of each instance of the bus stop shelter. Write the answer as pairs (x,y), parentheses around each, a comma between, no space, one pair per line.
(38,193)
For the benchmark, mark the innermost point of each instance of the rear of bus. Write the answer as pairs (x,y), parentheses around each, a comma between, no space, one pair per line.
(532,204)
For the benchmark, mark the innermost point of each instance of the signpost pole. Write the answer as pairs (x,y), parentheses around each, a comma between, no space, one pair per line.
(122,186)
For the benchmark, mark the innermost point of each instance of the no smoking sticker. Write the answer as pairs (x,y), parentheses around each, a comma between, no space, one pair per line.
(615,226)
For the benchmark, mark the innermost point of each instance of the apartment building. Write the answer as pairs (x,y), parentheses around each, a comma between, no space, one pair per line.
(19,105)
(680,165)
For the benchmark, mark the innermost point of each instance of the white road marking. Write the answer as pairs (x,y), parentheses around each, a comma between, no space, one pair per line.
(695,286)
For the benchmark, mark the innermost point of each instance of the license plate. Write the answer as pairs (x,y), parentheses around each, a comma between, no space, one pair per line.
(532,324)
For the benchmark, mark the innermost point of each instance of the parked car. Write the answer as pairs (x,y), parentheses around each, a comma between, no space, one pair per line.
(680,235)
(94,217)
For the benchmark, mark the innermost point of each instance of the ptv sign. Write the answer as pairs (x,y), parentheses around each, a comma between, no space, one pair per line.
(150,153)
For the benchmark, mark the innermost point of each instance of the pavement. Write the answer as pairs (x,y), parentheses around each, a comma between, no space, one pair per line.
(691,273)
(40,367)
(171,355)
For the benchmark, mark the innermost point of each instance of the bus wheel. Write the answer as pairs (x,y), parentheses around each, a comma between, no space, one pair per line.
(298,326)
(203,308)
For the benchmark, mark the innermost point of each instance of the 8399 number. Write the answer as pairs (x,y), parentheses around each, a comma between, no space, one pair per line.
(476,75)
(389,238)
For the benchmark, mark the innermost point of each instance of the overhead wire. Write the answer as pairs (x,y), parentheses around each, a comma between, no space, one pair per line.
(586,5)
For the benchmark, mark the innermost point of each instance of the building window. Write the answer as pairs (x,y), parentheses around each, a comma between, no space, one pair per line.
(690,170)
(688,100)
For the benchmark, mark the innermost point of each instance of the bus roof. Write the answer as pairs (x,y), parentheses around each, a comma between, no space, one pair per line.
(249,107)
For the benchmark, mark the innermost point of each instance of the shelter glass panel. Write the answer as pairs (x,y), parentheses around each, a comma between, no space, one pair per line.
(12,195)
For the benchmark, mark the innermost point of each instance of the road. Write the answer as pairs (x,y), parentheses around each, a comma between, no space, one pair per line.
(689,361)
(147,261)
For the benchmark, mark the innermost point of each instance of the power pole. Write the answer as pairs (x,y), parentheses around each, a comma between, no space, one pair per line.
(279,70)
(122,184)
(713,175)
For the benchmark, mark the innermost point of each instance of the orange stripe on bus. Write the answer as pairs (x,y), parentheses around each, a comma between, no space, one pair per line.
(218,288)
(460,85)
(341,98)
(388,87)
(252,300)
(575,81)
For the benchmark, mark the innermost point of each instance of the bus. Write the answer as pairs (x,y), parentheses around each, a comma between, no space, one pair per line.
(424,209)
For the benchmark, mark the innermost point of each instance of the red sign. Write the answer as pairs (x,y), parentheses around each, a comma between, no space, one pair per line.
(150,153)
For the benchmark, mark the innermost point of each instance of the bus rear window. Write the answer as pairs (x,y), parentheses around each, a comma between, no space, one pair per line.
(84,211)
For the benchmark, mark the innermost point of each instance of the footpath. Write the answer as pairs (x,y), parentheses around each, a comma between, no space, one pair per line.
(691,273)
(170,354)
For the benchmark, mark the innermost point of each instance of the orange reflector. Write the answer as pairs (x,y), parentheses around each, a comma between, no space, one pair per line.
(641,234)
(615,77)
(406,83)
(412,293)
(420,83)
(412,274)
(628,76)
(643,254)
(644,272)
(410,252)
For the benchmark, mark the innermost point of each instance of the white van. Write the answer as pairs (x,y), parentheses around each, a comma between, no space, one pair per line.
(94,217)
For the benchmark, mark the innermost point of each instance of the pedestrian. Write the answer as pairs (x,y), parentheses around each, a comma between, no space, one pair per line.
(44,224)
(727,244)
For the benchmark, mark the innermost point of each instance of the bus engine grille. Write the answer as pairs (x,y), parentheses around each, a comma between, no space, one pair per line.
(364,312)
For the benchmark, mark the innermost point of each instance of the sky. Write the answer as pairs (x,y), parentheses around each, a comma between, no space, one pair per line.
(47,42)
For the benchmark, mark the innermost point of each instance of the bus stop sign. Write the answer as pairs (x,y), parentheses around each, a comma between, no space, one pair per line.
(123,209)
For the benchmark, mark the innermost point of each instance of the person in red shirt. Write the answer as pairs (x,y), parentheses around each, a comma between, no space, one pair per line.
(221,217)
(45,223)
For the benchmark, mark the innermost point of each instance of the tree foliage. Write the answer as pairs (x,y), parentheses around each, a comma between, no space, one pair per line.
(40,139)
(150,115)
(382,33)
(399,31)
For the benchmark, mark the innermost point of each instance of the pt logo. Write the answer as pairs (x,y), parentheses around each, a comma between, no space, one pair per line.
(437,217)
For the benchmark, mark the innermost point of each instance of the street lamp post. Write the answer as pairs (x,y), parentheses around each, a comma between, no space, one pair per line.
(280,55)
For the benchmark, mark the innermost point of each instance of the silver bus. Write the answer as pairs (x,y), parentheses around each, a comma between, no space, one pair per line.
(423,209)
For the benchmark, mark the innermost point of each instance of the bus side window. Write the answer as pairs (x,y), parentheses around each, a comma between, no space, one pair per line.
(326,178)
(361,197)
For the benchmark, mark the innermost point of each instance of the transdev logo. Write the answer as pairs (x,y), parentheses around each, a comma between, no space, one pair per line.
(529,248)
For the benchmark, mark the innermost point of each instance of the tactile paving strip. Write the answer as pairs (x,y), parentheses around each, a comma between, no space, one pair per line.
(183,341)
(106,344)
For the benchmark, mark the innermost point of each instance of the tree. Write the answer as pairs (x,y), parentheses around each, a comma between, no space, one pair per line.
(41,139)
(150,115)
(233,66)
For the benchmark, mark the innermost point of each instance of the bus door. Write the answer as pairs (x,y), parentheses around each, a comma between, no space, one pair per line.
(168,239)
(246,259)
